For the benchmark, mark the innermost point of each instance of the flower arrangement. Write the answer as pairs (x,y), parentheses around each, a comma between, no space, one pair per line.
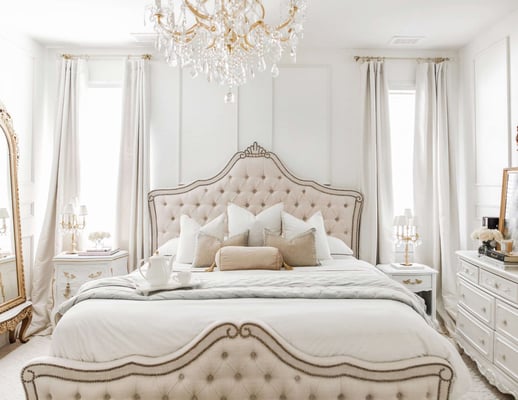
(95,236)
(487,235)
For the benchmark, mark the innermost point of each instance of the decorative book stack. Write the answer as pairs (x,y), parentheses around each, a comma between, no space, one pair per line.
(503,260)
(106,251)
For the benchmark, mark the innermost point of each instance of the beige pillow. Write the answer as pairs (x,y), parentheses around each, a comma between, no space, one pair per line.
(207,246)
(233,258)
(300,251)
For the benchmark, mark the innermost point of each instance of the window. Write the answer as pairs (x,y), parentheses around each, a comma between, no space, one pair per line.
(402,119)
(100,134)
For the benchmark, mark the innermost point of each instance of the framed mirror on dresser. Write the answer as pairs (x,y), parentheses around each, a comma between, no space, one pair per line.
(15,310)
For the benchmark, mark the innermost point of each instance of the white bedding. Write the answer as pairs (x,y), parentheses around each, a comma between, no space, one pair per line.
(369,329)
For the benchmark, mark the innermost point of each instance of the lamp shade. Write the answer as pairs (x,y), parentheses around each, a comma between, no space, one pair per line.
(83,211)
(408,213)
(400,220)
(4,213)
(69,209)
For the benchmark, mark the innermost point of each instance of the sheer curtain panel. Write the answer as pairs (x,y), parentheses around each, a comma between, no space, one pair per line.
(376,233)
(63,187)
(434,183)
(132,227)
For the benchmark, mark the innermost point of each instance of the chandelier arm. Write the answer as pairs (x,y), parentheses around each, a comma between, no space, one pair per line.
(189,32)
(289,20)
(195,11)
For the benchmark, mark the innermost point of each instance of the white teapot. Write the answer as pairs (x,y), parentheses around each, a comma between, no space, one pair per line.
(159,269)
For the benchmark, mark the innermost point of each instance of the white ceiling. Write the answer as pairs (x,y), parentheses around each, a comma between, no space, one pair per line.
(445,24)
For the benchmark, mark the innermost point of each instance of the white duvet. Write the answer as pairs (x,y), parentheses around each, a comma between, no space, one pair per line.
(370,329)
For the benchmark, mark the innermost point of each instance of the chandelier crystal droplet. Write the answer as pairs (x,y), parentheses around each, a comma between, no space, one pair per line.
(226,40)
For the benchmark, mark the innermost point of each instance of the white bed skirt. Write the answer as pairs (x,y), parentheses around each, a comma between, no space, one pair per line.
(238,362)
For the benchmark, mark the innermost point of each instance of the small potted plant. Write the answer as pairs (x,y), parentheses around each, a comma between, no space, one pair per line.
(488,237)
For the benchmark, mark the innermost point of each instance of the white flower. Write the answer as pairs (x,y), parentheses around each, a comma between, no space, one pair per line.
(484,234)
(100,235)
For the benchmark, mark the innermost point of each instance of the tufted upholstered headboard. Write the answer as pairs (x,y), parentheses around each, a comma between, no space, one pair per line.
(255,179)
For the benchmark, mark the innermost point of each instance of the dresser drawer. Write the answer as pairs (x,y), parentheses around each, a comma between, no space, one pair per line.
(507,320)
(499,286)
(506,356)
(477,302)
(416,283)
(468,271)
(476,333)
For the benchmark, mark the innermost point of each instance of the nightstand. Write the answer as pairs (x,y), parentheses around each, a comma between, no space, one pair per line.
(422,281)
(72,270)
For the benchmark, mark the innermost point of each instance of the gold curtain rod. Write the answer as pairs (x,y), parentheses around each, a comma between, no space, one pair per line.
(418,59)
(87,56)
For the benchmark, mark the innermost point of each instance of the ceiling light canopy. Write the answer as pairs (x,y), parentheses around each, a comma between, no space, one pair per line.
(227,40)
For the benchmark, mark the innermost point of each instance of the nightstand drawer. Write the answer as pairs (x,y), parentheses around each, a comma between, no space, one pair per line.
(414,282)
(479,303)
(507,320)
(499,286)
(476,333)
(506,356)
(468,271)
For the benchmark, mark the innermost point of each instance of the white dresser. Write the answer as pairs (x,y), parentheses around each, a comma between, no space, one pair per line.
(487,319)
(71,271)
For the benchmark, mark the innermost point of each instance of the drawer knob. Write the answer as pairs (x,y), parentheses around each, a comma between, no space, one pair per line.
(504,357)
(497,286)
(484,309)
(410,282)
(482,341)
(504,322)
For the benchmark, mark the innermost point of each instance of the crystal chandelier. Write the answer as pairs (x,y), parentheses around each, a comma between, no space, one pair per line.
(227,40)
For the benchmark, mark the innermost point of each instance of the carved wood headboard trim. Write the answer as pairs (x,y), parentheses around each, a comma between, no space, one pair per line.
(256,179)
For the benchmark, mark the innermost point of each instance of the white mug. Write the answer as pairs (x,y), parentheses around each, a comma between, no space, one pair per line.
(183,277)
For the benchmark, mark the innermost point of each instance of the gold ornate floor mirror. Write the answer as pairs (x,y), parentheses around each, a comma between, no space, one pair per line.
(14,307)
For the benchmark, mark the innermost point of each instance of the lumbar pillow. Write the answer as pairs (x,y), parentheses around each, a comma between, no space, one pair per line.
(337,247)
(241,220)
(207,246)
(292,226)
(231,258)
(189,229)
(300,251)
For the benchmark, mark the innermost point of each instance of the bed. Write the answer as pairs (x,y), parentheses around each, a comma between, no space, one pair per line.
(340,330)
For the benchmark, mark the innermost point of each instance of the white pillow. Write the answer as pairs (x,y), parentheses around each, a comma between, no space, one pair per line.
(189,229)
(241,220)
(292,226)
(337,247)
(169,248)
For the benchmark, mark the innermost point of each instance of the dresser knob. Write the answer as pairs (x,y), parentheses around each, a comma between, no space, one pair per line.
(483,342)
(484,309)
(497,286)
(504,357)
(504,322)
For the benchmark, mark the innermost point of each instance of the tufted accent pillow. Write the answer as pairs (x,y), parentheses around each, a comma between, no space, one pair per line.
(241,220)
(300,251)
(207,246)
(233,258)
(189,229)
(292,226)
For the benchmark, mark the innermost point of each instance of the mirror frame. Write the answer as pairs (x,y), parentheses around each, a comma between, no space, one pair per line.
(12,146)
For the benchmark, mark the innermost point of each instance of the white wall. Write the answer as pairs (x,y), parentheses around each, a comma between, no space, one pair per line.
(21,80)
(309,115)
(489,77)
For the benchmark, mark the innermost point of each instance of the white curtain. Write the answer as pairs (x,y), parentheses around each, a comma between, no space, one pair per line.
(376,244)
(64,187)
(132,232)
(434,183)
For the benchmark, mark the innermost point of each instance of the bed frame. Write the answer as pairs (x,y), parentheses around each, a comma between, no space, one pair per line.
(246,362)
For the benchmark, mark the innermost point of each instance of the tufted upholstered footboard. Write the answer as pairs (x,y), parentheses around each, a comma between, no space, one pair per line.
(244,362)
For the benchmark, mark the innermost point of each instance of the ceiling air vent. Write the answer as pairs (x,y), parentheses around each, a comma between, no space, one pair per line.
(405,40)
